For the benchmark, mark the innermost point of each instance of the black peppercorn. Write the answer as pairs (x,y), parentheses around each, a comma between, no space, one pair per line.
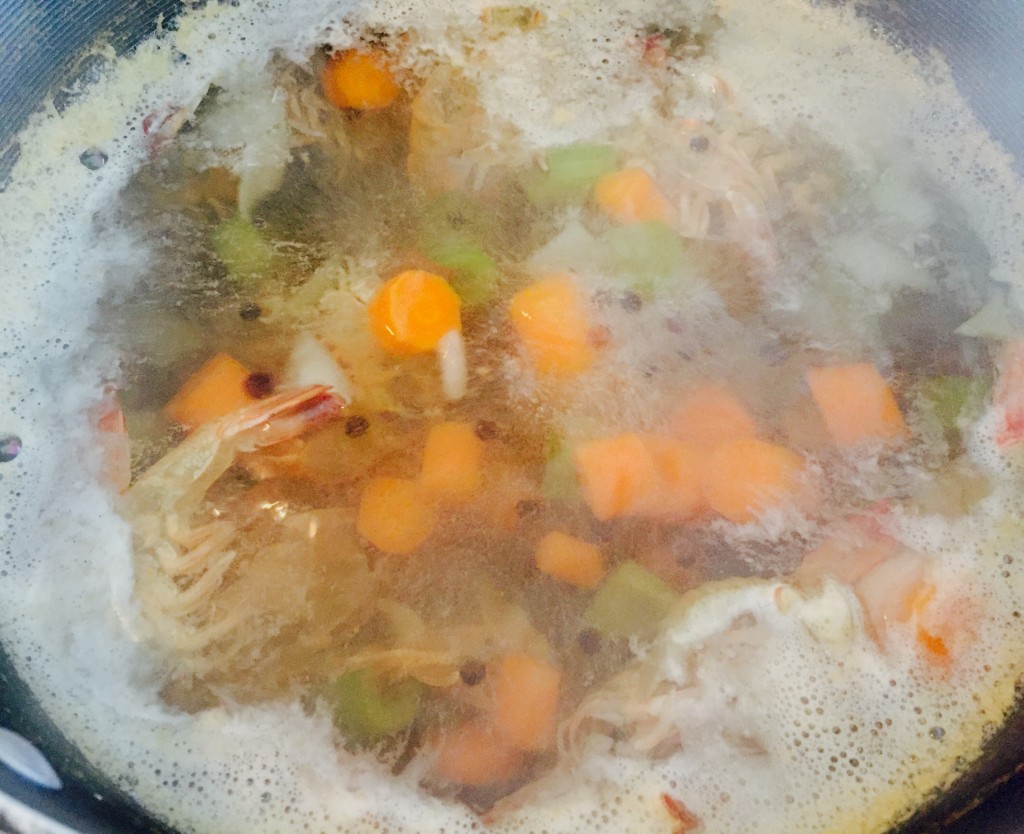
(356,425)
(486,430)
(250,311)
(259,385)
(472,672)
(589,641)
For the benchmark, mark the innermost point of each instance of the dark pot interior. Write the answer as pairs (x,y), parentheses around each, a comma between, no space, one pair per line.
(42,42)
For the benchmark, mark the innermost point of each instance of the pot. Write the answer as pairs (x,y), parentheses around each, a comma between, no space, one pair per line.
(45,45)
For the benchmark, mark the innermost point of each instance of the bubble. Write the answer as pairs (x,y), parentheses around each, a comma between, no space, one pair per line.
(10,448)
(93,158)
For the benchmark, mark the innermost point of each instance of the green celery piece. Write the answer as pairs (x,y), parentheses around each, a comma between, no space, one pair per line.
(631,602)
(453,232)
(559,479)
(954,398)
(367,710)
(242,248)
(571,172)
(476,273)
(580,166)
(647,255)
(539,189)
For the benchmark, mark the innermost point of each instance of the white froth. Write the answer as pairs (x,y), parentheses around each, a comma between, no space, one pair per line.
(793,721)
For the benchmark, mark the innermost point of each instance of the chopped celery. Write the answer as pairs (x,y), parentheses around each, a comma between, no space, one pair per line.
(367,709)
(631,602)
(570,173)
(953,399)
(476,273)
(453,233)
(559,480)
(647,255)
(580,166)
(243,250)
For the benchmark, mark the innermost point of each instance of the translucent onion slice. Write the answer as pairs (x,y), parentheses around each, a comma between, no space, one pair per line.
(451,356)
(311,363)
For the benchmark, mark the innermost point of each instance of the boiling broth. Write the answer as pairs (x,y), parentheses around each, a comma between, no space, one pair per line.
(794,243)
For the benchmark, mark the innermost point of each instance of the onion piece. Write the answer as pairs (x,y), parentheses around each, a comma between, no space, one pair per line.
(451,356)
(311,363)
(993,321)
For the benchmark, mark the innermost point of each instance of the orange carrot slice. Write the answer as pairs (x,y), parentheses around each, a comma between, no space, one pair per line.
(412,311)
(395,515)
(473,754)
(572,560)
(856,403)
(452,461)
(678,495)
(551,322)
(526,691)
(632,196)
(711,415)
(359,80)
(214,391)
(617,475)
(746,477)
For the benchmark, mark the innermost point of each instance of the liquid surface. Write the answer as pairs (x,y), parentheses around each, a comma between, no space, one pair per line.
(822,244)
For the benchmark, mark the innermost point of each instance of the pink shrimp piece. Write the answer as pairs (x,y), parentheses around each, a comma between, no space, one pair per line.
(114,444)
(161,126)
(856,548)
(1009,395)
(901,595)
(175,544)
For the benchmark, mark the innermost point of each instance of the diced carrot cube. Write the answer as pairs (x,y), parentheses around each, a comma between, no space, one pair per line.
(678,495)
(711,415)
(526,691)
(412,311)
(214,391)
(572,560)
(452,461)
(551,322)
(746,477)
(856,403)
(395,515)
(473,754)
(359,80)
(617,475)
(632,196)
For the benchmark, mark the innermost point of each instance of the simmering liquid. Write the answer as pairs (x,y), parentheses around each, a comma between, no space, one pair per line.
(585,428)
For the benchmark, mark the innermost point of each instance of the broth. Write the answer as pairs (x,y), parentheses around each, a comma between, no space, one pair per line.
(542,458)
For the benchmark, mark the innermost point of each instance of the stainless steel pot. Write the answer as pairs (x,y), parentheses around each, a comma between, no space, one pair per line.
(42,44)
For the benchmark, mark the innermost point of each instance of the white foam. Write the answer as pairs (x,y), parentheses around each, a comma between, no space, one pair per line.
(66,612)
